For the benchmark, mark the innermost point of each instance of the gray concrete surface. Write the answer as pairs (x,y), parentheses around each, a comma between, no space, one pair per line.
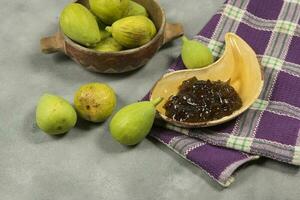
(87,163)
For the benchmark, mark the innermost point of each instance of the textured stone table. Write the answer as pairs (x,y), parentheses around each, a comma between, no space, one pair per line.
(87,163)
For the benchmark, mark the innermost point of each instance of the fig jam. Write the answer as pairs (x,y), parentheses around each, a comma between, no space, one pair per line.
(201,101)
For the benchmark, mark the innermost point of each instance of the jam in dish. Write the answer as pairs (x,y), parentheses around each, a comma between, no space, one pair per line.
(201,101)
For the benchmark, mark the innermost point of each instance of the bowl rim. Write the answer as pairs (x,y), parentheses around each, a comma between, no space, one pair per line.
(158,35)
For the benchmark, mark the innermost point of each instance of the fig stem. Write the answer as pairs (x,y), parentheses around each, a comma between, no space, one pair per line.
(156,101)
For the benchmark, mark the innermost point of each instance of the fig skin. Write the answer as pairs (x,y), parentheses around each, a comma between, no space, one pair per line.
(135,9)
(133,31)
(95,102)
(195,54)
(109,11)
(108,45)
(131,124)
(54,115)
(79,24)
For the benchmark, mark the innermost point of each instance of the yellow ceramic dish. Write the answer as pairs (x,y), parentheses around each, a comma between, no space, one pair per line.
(238,64)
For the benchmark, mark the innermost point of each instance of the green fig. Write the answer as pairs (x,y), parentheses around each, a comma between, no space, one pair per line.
(135,9)
(108,45)
(109,11)
(79,24)
(133,31)
(132,123)
(54,115)
(194,54)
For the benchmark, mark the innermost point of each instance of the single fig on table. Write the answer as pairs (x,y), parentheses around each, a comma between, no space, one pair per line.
(133,31)
(109,11)
(108,45)
(132,123)
(54,115)
(135,9)
(195,54)
(79,24)
(95,102)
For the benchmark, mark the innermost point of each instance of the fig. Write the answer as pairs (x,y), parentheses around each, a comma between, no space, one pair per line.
(195,54)
(95,102)
(133,31)
(108,45)
(135,9)
(132,123)
(54,115)
(79,24)
(109,11)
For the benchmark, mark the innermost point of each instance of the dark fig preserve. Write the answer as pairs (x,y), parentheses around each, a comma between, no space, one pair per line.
(201,101)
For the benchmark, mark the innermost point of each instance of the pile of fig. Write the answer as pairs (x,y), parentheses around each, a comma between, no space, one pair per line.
(95,102)
(108,25)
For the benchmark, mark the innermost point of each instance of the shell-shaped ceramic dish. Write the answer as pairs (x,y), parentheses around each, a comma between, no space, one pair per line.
(238,64)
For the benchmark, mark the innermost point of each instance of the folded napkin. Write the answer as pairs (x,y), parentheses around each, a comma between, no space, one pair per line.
(271,127)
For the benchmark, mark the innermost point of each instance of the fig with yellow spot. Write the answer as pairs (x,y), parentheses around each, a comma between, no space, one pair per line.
(95,102)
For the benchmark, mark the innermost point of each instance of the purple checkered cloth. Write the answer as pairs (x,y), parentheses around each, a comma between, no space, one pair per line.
(271,127)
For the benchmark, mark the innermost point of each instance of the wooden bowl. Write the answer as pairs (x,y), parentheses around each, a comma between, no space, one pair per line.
(116,62)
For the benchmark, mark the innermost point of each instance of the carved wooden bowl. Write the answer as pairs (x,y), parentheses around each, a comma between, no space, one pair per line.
(116,62)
